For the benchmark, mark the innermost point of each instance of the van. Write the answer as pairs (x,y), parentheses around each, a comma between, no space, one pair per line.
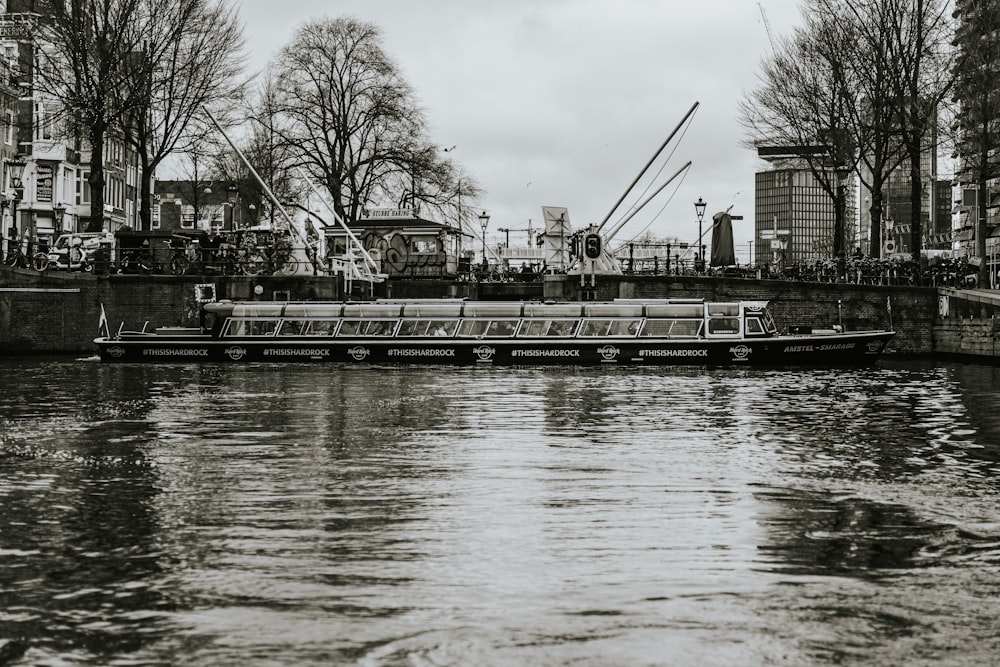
(63,253)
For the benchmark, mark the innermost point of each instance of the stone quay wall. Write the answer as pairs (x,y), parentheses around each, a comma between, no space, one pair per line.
(57,312)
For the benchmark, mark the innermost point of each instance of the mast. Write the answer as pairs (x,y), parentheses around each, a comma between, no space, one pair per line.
(648,164)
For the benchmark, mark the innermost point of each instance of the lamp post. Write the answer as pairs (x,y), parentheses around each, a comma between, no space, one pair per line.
(232,194)
(699,209)
(16,170)
(484,221)
(59,212)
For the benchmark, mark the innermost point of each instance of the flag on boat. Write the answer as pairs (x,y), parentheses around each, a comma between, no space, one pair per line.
(102,323)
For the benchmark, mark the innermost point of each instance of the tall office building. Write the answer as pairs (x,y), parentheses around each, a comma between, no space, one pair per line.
(794,215)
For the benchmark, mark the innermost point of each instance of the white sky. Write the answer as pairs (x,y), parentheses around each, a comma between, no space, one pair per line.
(563,102)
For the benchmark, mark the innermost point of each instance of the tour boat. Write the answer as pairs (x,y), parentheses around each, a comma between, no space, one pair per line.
(623,332)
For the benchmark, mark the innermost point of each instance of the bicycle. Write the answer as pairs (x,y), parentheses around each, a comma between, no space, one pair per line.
(135,261)
(16,258)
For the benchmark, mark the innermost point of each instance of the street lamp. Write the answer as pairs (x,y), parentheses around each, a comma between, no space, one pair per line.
(699,209)
(484,221)
(15,168)
(59,212)
(232,194)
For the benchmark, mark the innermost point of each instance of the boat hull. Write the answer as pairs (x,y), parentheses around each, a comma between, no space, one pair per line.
(854,348)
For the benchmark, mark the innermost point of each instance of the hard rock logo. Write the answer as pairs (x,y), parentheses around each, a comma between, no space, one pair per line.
(116,351)
(358,353)
(235,352)
(740,352)
(608,352)
(484,352)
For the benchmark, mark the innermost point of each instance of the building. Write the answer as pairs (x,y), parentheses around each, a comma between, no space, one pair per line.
(897,210)
(794,215)
(55,192)
(406,245)
(202,205)
(977,172)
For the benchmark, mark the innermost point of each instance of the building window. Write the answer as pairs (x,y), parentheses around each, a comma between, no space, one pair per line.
(83,188)
(43,121)
(187,217)
(8,132)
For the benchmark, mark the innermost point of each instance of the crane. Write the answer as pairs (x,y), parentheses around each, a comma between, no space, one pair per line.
(767,27)
(508,230)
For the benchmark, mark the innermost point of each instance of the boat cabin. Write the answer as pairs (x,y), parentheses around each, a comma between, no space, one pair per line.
(691,319)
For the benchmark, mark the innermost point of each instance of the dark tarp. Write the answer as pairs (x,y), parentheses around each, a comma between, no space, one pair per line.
(723,253)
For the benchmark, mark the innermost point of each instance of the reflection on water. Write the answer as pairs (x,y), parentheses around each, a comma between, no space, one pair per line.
(294,514)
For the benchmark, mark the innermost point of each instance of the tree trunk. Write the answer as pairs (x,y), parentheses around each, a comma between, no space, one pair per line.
(875,233)
(96,179)
(145,172)
(916,205)
(839,217)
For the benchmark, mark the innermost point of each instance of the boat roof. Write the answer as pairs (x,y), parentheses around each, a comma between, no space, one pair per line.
(445,308)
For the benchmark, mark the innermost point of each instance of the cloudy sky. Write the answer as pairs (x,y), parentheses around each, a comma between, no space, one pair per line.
(563,102)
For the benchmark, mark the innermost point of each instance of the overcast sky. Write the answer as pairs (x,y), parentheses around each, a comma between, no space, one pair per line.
(563,102)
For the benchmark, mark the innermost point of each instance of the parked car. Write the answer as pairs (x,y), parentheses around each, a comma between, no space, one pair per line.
(75,252)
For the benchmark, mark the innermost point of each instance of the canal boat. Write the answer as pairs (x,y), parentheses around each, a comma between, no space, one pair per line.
(623,332)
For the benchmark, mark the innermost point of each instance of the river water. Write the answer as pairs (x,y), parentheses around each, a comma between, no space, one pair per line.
(350,515)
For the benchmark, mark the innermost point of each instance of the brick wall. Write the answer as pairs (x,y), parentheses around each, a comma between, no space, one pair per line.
(967,337)
(58,312)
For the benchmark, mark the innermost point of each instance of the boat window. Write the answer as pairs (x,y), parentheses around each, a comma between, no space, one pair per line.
(548,328)
(609,327)
(671,328)
(769,325)
(550,310)
(293,327)
(367,327)
(754,327)
(676,310)
(724,325)
(349,328)
(321,328)
(723,309)
(502,328)
(442,327)
(499,328)
(427,328)
(381,328)
(616,310)
(431,310)
(256,327)
(487,309)
(475,328)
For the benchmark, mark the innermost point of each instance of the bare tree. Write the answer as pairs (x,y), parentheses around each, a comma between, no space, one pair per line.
(270,155)
(862,48)
(85,53)
(921,77)
(191,58)
(862,81)
(352,121)
(805,103)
